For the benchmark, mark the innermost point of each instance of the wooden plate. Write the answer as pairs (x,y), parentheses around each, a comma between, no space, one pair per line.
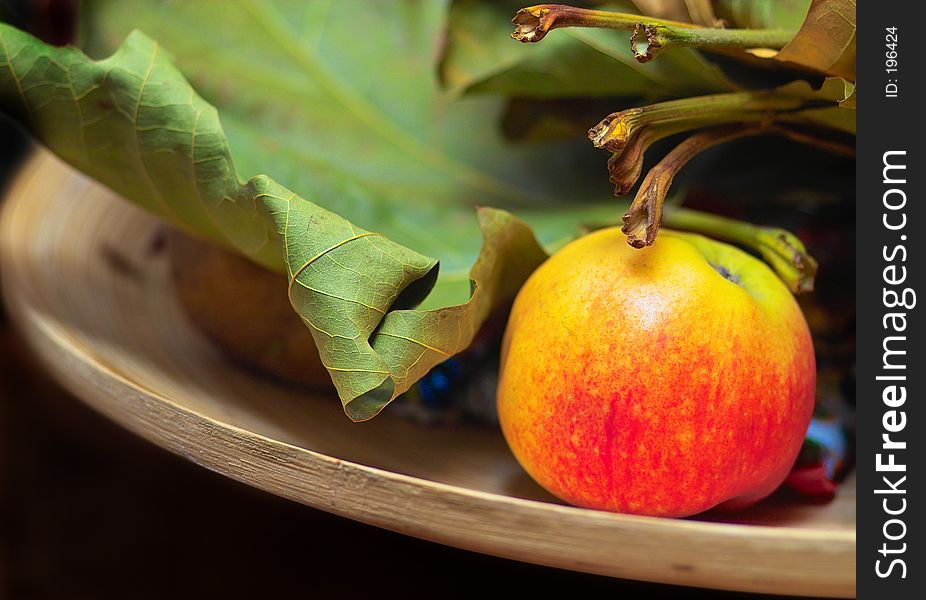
(86,280)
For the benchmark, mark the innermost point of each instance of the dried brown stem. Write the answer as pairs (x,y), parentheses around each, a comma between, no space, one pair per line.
(534,22)
(644,216)
(625,167)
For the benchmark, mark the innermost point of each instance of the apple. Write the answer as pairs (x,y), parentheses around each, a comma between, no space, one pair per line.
(256,325)
(662,381)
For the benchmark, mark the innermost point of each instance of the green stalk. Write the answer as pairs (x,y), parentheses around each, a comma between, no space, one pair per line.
(618,129)
(782,250)
(649,35)
(647,40)
(534,22)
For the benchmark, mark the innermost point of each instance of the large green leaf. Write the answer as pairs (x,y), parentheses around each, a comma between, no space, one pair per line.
(133,122)
(345,107)
(481,57)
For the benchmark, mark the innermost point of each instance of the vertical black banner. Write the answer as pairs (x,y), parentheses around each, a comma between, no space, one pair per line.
(891,264)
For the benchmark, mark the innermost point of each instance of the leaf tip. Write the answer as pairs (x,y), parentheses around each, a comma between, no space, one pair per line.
(369,404)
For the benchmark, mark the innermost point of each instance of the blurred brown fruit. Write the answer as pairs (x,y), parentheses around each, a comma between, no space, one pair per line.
(244,309)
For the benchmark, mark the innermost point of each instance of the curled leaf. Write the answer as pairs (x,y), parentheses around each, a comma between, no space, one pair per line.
(826,40)
(133,122)
(825,31)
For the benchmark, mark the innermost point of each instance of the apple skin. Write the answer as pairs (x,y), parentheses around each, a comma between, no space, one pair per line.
(647,382)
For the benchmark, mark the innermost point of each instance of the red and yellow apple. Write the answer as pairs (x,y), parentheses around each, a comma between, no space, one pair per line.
(662,381)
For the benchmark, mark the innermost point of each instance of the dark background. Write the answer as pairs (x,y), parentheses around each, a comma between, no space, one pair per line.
(87,510)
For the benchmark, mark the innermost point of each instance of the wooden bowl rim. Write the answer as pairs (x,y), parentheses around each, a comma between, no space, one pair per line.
(61,353)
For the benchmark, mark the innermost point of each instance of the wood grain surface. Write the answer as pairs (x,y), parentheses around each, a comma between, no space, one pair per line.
(86,280)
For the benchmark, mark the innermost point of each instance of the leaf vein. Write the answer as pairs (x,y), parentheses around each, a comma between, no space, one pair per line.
(414,341)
